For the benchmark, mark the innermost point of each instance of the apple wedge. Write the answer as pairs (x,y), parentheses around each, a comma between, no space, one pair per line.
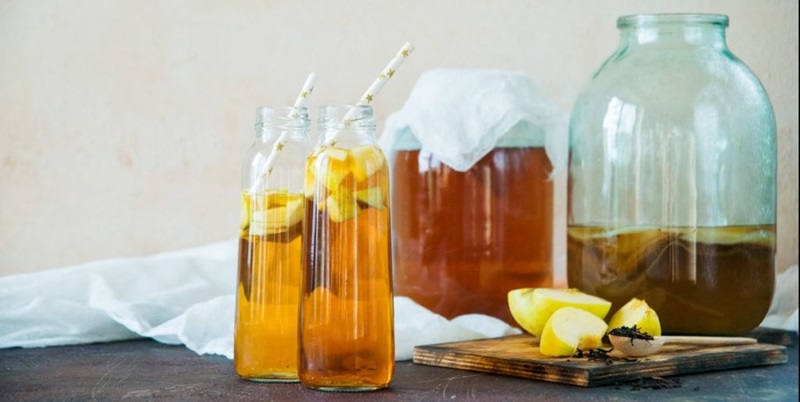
(636,312)
(341,206)
(532,307)
(570,329)
(372,196)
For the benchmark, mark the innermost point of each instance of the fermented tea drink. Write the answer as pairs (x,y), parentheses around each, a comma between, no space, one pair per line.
(346,320)
(463,240)
(704,280)
(672,188)
(270,250)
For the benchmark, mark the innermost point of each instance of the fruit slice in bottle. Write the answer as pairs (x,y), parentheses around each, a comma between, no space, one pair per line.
(372,196)
(244,211)
(336,170)
(283,212)
(365,161)
(341,206)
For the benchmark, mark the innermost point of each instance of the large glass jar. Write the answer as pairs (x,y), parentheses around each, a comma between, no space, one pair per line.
(672,178)
(270,246)
(473,155)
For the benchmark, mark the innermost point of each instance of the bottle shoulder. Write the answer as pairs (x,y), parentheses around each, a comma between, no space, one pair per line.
(655,79)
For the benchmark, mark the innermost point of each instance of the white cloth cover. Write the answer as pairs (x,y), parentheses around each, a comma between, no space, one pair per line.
(459,115)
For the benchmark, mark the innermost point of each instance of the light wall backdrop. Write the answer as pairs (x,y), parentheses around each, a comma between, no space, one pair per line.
(123,123)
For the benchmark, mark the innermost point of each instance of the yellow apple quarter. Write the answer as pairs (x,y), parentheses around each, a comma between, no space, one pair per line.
(278,197)
(570,329)
(332,167)
(341,206)
(310,183)
(372,196)
(365,161)
(636,312)
(244,211)
(532,307)
(338,154)
(278,219)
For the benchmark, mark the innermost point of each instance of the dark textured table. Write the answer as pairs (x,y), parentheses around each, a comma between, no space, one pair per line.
(144,369)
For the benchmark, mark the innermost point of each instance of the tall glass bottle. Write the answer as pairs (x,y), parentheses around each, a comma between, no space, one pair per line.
(346,316)
(270,247)
(672,178)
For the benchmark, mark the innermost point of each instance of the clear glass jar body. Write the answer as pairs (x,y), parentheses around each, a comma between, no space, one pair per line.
(346,317)
(463,240)
(672,178)
(270,247)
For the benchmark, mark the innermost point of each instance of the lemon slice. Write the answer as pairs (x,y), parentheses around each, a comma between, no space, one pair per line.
(570,329)
(636,312)
(532,307)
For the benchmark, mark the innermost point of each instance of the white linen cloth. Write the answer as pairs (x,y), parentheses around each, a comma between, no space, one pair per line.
(182,297)
(187,297)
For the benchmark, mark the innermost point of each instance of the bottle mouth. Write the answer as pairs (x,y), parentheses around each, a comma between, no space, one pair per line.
(283,116)
(672,19)
(342,116)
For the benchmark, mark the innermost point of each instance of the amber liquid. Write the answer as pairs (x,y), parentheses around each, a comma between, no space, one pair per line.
(705,281)
(347,321)
(464,239)
(267,307)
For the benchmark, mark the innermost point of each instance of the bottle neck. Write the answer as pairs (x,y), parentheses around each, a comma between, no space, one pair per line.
(346,125)
(692,30)
(274,122)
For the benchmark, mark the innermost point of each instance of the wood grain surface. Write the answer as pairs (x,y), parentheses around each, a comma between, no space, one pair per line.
(519,356)
(147,370)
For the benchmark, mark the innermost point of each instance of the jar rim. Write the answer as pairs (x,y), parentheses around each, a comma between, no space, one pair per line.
(346,115)
(282,116)
(627,21)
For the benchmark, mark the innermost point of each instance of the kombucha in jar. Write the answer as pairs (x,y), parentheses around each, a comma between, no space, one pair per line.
(474,154)
(346,314)
(463,240)
(672,192)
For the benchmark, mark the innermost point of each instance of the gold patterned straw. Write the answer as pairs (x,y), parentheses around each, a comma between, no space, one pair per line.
(280,144)
(378,84)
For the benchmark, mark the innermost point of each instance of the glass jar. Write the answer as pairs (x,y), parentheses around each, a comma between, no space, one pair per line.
(464,239)
(270,246)
(346,316)
(672,178)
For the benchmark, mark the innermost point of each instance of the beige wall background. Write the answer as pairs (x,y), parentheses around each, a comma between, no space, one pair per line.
(123,123)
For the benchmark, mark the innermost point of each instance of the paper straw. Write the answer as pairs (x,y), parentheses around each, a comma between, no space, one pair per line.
(280,144)
(379,83)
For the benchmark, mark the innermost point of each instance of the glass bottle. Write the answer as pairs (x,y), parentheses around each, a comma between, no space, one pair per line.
(464,239)
(346,316)
(270,246)
(672,178)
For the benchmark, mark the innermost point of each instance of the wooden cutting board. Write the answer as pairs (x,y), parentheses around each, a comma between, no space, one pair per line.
(519,356)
